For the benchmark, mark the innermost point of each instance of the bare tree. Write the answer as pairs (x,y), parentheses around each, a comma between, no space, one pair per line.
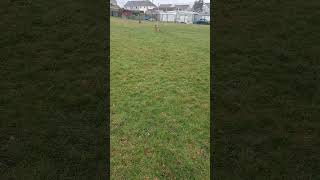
(198,6)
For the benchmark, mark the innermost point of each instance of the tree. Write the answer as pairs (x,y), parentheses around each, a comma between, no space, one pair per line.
(198,6)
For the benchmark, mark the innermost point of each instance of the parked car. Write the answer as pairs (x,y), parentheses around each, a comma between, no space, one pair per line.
(150,19)
(146,18)
(202,21)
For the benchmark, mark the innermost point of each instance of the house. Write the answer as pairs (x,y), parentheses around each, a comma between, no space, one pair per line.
(206,8)
(139,5)
(171,7)
(114,8)
(182,7)
(166,7)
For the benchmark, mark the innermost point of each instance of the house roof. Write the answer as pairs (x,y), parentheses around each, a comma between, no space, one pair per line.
(167,8)
(114,7)
(165,5)
(182,7)
(139,3)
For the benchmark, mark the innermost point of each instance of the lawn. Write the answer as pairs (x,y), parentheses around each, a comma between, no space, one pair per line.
(159,101)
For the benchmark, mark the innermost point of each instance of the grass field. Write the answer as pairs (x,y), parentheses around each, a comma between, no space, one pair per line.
(159,101)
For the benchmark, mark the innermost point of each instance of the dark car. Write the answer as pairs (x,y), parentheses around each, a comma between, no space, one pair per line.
(147,18)
(202,21)
(150,19)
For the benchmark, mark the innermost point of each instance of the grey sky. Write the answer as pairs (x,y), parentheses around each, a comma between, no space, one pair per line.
(122,2)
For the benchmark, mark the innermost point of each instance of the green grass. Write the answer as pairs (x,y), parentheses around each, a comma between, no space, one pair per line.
(52,92)
(159,101)
(267,89)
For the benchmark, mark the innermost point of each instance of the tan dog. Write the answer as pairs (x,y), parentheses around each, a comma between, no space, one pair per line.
(156,28)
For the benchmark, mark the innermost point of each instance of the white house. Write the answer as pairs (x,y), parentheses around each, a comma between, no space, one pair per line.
(139,5)
(114,8)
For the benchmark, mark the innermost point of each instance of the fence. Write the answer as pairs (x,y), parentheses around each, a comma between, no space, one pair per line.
(185,17)
(182,17)
(174,17)
(167,17)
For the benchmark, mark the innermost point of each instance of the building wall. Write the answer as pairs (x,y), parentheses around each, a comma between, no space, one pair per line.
(140,8)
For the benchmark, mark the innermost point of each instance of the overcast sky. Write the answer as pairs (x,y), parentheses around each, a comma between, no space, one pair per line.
(122,2)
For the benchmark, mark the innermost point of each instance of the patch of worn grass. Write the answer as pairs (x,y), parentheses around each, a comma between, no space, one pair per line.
(159,101)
